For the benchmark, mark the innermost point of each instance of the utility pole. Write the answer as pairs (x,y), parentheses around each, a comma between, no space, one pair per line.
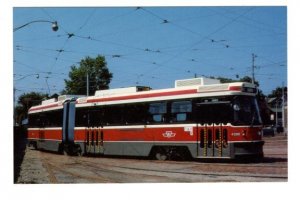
(15,121)
(46,78)
(87,83)
(276,115)
(253,66)
(283,113)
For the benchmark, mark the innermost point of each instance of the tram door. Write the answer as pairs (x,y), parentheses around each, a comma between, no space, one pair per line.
(212,134)
(212,141)
(94,143)
(94,133)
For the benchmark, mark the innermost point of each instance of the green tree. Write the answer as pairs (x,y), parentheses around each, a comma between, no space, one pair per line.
(99,76)
(26,101)
(278,93)
(229,80)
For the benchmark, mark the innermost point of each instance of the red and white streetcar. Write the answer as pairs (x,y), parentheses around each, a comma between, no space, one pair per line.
(198,118)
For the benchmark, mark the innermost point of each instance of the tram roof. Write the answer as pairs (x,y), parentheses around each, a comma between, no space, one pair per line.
(187,88)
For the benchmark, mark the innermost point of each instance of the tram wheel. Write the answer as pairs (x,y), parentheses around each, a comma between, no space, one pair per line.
(163,153)
(79,152)
(161,156)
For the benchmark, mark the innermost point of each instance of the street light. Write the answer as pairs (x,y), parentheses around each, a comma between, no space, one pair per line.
(54,28)
(54,24)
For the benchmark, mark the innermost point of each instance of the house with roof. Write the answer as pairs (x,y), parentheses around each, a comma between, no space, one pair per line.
(278,113)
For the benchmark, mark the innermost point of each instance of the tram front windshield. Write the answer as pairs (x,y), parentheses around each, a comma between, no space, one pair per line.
(237,110)
(246,111)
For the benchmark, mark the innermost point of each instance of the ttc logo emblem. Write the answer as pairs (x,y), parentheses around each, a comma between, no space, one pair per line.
(169,134)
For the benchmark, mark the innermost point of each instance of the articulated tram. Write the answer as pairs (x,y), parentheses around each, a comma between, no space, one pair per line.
(198,118)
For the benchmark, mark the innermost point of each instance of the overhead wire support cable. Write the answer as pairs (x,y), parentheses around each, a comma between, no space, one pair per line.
(201,40)
(108,42)
(183,28)
(87,20)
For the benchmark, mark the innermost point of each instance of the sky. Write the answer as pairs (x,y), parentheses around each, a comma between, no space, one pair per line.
(150,46)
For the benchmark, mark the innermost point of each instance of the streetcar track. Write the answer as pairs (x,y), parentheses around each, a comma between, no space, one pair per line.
(120,169)
(51,176)
(212,174)
(114,171)
(49,167)
(97,170)
(259,165)
(272,176)
(203,173)
(96,178)
(118,173)
(246,165)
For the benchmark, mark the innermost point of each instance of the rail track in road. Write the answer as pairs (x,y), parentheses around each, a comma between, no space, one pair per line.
(92,169)
(115,174)
(116,170)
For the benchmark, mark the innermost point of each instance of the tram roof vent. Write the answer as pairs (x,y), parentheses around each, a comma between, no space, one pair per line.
(196,81)
(65,97)
(127,90)
(48,101)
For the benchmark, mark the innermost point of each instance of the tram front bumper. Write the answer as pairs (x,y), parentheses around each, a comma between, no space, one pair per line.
(254,148)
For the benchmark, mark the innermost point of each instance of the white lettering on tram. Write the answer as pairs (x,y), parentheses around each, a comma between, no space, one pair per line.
(189,129)
(169,134)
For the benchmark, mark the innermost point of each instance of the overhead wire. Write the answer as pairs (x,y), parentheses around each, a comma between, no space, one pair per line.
(198,42)
(167,21)
(255,22)
(191,31)
(86,21)
(141,50)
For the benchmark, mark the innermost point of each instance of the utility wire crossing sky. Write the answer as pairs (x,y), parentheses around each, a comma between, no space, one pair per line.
(151,46)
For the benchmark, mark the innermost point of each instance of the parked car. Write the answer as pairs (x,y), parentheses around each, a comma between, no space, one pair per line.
(279,129)
(269,131)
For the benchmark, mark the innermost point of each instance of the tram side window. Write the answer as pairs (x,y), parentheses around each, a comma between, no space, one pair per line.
(158,112)
(113,115)
(53,118)
(34,120)
(135,113)
(181,111)
(96,117)
(46,119)
(81,117)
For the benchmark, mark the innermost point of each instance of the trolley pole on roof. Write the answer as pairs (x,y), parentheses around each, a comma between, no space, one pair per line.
(87,83)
